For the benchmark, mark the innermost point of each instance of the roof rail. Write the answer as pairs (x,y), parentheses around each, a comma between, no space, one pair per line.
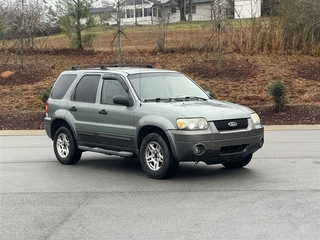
(131,65)
(77,67)
(105,67)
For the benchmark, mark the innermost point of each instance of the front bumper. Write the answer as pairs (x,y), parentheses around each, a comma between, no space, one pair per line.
(213,147)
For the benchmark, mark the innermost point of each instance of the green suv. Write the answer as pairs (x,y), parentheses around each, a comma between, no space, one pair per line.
(161,116)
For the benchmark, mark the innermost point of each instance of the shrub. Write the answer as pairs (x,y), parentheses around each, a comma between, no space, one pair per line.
(278,92)
(210,92)
(44,94)
(213,94)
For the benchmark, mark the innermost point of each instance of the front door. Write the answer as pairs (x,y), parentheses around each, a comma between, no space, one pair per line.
(114,122)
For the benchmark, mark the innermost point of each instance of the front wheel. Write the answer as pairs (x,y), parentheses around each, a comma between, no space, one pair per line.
(156,158)
(65,147)
(239,164)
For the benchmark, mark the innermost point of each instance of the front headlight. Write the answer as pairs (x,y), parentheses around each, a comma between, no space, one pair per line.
(192,123)
(255,118)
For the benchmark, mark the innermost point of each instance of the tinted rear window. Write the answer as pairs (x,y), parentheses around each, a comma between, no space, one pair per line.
(62,85)
(86,89)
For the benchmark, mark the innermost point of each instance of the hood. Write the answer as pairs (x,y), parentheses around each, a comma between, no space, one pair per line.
(211,110)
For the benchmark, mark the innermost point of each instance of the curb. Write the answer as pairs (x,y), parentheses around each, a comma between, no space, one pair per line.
(266,128)
(22,132)
(291,127)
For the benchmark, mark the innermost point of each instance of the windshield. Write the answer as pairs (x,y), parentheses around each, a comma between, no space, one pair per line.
(165,86)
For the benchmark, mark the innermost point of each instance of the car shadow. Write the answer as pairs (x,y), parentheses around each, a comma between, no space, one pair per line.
(203,171)
(186,170)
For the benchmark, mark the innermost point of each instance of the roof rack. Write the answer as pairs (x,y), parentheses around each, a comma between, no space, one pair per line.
(105,67)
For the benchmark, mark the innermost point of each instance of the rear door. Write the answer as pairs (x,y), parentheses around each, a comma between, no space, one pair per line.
(82,106)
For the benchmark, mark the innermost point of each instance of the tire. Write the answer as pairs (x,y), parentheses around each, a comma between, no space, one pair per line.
(65,147)
(239,164)
(156,158)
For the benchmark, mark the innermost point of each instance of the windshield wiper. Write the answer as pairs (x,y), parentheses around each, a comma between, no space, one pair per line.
(188,98)
(158,100)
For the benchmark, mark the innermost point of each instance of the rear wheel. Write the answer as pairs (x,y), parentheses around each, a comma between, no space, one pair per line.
(156,158)
(239,164)
(65,147)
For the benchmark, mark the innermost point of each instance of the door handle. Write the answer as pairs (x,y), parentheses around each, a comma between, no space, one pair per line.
(73,109)
(103,112)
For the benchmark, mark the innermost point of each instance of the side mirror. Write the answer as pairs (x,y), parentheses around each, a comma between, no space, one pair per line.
(122,100)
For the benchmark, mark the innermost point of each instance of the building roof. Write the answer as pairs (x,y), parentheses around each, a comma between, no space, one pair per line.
(174,2)
(101,10)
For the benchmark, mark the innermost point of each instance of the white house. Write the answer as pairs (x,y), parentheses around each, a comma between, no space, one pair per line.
(150,12)
(132,12)
(201,10)
(247,9)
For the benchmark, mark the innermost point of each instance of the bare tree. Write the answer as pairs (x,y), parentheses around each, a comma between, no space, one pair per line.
(216,10)
(119,4)
(301,23)
(162,29)
(182,7)
(269,7)
(3,28)
(24,20)
(27,17)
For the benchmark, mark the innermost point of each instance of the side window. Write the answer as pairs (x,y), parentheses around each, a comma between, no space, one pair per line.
(62,85)
(110,89)
(86,89)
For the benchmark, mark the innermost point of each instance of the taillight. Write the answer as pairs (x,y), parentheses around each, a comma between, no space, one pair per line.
(47,108)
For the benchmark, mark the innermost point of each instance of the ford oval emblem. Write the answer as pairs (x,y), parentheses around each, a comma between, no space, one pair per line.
(232,124)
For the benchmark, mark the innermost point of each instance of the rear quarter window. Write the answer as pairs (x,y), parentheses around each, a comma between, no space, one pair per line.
(62,85)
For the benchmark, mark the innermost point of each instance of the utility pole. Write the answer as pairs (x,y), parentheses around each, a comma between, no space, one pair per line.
(22,36)
(190,11)
(219,57)
(184,9)
(135,13)
(119,31)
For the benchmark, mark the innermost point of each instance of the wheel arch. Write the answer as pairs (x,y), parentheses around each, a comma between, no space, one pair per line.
(147,129)
(61,122)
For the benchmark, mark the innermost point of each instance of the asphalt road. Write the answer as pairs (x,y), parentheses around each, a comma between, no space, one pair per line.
(277,196)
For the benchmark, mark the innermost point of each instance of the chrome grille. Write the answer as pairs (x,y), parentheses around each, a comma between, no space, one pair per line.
(231,124)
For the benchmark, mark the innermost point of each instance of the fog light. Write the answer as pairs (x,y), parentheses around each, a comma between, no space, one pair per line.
(198,149)
(261,142)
